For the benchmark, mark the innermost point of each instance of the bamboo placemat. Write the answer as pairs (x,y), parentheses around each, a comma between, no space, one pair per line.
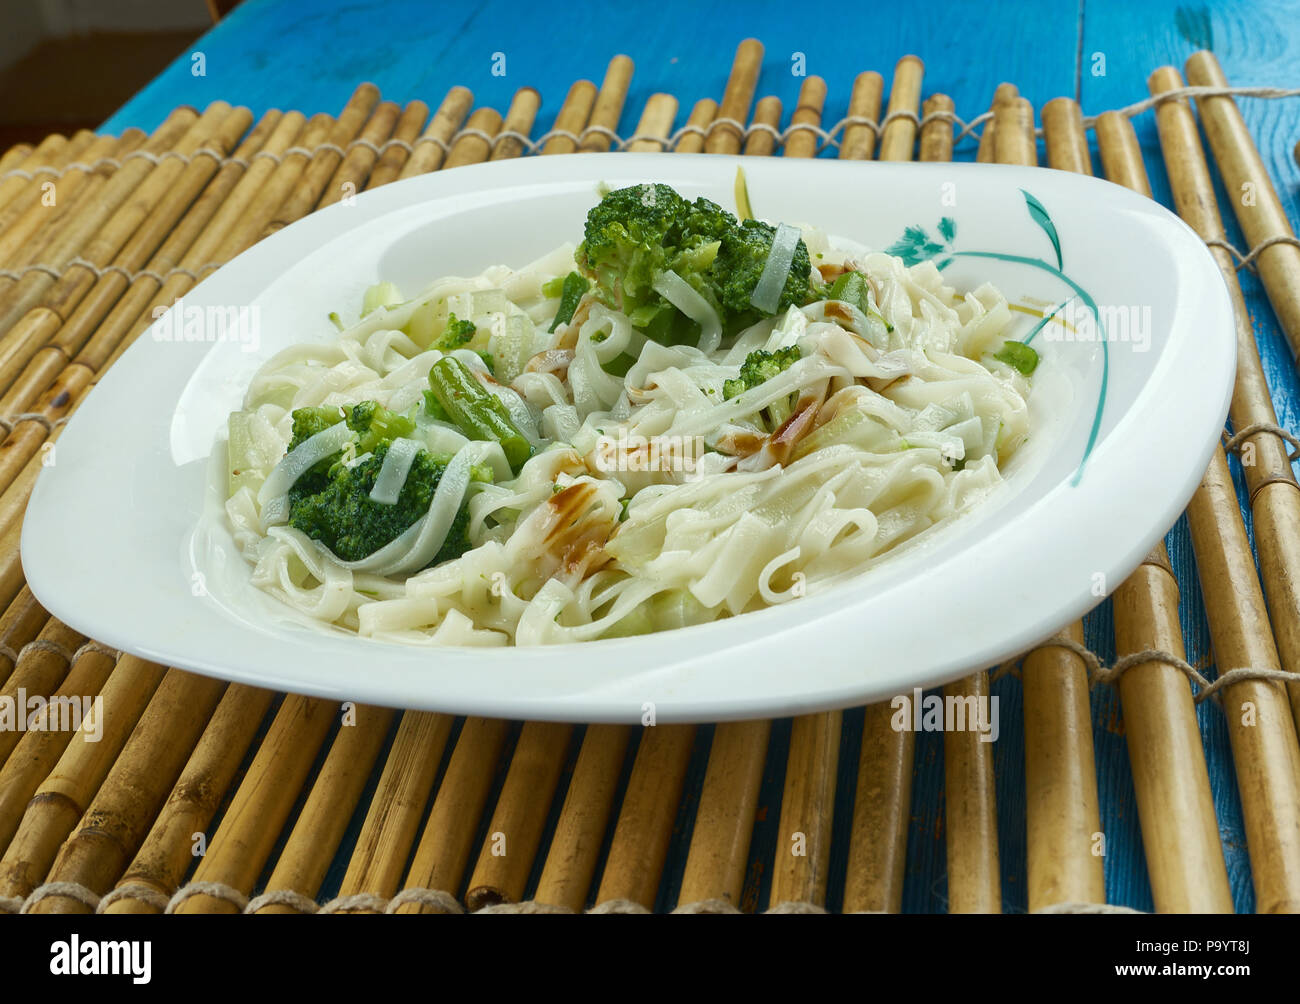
(203,796)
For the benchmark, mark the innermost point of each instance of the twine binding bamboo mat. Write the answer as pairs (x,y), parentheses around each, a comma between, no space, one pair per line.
(203,796)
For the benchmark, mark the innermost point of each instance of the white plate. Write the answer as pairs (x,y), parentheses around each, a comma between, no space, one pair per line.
(115,542)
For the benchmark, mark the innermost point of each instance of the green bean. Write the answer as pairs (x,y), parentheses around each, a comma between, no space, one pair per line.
(475,410)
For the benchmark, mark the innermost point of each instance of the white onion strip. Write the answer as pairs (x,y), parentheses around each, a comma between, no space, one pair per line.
(767,291)
(682,295)
(394,471)
(305,456)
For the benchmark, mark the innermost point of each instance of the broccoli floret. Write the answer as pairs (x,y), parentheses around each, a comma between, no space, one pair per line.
(740,262)
(624,240)
(457,335)
(636,233)
(306,423)
(376,424)
(344,518)
(760,366)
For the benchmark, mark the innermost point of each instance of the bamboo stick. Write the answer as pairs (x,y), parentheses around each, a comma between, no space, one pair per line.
(808,112)
(936,135)
(284,179)
(262,803)
(127,240)
(226,217)
(431,149)
(971,829)
(1260,727)
(859,141)
(573,117)
(391,824)
(760,142)
(25,215)
(639,848)
(701,117)
(94,318)
(873,881)
(39,750)
(471,148)
(656,120)
(18,194)
(589,802)
(1270,480)
(127,802)
(518,821)
(98,201)
(390,163)
(609,104)
(37,672)
(306,194)
(11,157)
(899,135)
(45,155)
(320,827)
(448,840)
(724,821)
(1252,195)
(519,119)
(803,843)
(1014,136)
(354,169)
(1175,806)
(1063,817)
(169,849)
(1066,141)
(23,619)
(32,840)
(725,134)
(988,135)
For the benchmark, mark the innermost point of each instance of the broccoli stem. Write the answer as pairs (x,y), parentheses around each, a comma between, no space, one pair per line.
(477,411)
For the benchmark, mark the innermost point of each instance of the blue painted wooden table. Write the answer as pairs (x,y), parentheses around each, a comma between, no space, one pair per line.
(310,56)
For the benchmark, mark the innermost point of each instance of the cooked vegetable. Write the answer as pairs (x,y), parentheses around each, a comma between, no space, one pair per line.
(1019,356)
(478,412)
(574,288)
(344,517)
(760,366)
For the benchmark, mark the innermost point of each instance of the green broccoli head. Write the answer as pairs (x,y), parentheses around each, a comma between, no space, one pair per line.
(623,245)
(759,367)
(376,424)
(457,336)
(344,518)
(306,423)
(635,233)
(740,262)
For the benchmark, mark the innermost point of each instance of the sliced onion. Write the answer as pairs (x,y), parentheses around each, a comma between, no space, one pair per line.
(767,291)
(358,461)
(682,295)
(276,511)
(394,470)
(305,456)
